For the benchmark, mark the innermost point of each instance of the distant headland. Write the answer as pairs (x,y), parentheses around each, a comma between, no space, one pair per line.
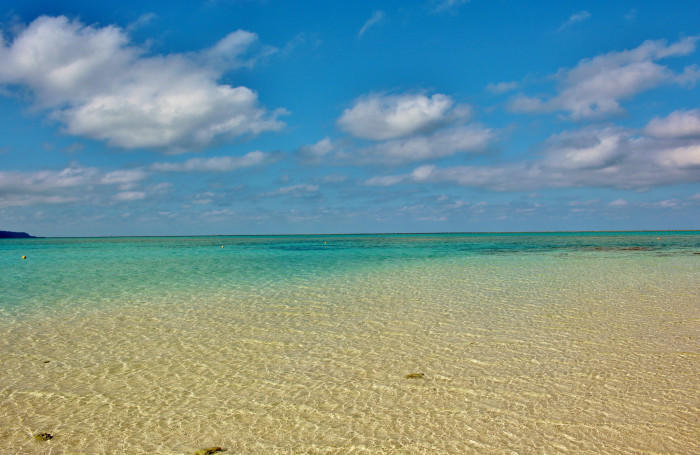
(15,235)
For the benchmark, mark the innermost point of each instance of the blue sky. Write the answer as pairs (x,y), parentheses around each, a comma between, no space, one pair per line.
(257,117)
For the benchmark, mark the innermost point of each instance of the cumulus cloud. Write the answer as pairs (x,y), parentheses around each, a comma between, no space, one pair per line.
(604,157)
(404,128)
(71,184)
(215,164)
(586,149)
(441,143)
(682,157)
(678,124)
(381,116)
(596,86)
(374,19)
(575,18)
(98,84)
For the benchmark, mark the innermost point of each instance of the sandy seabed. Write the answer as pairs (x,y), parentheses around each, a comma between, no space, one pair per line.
(540,354)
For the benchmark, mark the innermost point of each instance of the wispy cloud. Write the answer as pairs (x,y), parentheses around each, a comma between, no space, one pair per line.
(301,189)
(315,152)
(439,6)
(502,87)
(130,195)
(442,143)
(74,183)
(618,203)
(141,21)
(595,86)
(374,19)
(216,164)
(574,19)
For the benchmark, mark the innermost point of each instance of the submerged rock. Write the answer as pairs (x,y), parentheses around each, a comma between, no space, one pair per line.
(415,376)
(43,436)
(209,451)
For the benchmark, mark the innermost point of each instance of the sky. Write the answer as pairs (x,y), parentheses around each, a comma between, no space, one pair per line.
(270,117)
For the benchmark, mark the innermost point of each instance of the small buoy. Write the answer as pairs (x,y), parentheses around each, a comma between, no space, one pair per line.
(24,257)
(222,246)
(325,243)
(658,238)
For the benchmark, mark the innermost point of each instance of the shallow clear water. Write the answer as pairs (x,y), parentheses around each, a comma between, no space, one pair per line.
(528,343)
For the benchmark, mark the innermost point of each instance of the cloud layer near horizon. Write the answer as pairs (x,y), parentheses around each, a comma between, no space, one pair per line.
(607,157)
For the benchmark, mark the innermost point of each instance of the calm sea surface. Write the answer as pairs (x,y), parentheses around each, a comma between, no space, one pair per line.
(518,343)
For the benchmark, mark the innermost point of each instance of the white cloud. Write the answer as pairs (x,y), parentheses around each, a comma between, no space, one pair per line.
(215,164)
(587,148)
(374,19)
(502,87)
(575,18)
(129,195)
(41,181)
(385,180)
(606,157)
(71,184)
(235,50)
(22,200)
(295,190)
(444,142)
(618,203)
(127,176)
(689,76)
(381,117)
(678,124)
(142,21)
(681,157)
(596,86)
(667,204)
(303,187)
(99,85)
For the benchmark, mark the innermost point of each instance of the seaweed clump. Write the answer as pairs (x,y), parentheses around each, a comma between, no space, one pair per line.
(43,436)
(209,451)
(415,376)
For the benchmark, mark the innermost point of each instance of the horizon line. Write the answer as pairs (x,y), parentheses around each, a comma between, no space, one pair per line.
(359,233)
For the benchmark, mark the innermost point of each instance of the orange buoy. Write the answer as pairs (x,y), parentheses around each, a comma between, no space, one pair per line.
(24,257)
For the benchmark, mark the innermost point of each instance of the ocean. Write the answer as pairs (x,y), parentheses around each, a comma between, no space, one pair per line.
(362,344)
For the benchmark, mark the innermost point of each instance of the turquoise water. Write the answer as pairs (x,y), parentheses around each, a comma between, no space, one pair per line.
(527,343)
(88,271)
